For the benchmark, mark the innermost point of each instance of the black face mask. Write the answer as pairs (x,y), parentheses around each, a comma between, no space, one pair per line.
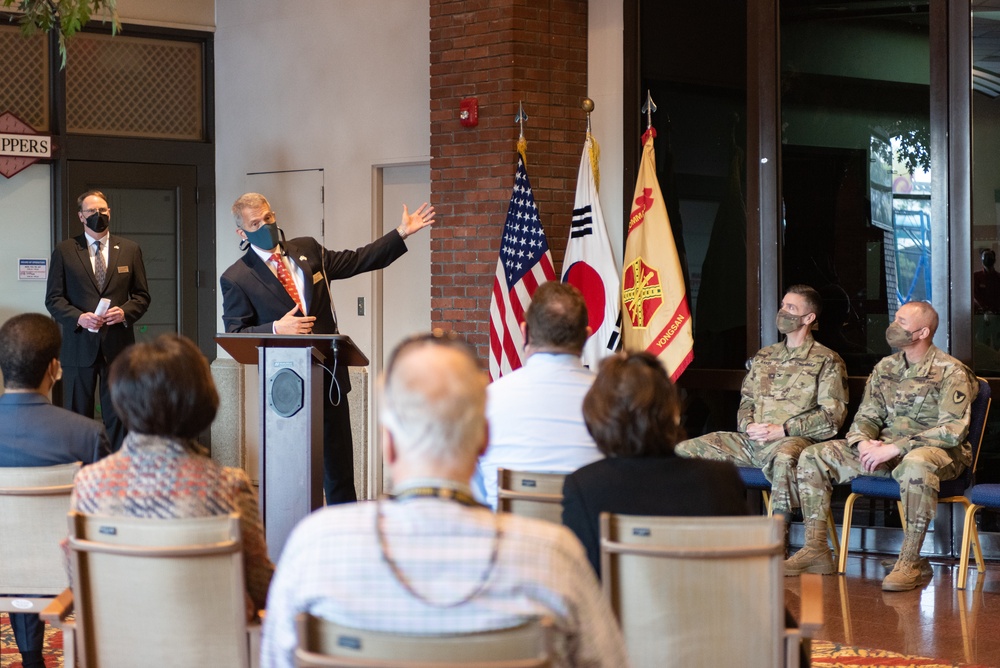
(98,222)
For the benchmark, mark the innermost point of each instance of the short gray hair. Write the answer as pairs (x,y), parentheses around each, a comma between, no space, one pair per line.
(248,201)
(434,402)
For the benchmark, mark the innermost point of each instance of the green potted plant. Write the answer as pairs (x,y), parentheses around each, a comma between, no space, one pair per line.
(65,17)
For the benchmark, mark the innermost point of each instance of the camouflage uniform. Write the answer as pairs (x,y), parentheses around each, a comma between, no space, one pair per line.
(805,390)
(924,409)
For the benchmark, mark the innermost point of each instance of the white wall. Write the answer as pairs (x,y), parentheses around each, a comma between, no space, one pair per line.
(605,88)
(26,226)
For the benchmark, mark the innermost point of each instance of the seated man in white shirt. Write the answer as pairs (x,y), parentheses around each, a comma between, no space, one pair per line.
(536,412)
(429,559)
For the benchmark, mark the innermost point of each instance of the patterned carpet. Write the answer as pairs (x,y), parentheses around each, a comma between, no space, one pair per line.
(833,655)
(824,654)
(9,657)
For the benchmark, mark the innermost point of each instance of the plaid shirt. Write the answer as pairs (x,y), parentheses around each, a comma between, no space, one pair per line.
(332,567)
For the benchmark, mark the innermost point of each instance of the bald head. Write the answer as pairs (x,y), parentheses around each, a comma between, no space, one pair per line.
(434,403)
(918,315)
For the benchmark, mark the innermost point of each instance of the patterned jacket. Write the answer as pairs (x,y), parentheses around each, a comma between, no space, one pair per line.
(804,389)
(927,403)
(155,477)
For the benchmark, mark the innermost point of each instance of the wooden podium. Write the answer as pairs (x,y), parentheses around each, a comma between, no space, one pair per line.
(291,420)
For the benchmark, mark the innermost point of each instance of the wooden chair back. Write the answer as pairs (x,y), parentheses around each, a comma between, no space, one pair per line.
(33,506)
(324,644)
(162,593)
(530,494)
(698,591)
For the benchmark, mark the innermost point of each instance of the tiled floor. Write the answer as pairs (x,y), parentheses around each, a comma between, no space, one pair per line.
(936,620)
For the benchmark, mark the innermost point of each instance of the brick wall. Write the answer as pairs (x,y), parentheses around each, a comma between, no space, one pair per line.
(501,52)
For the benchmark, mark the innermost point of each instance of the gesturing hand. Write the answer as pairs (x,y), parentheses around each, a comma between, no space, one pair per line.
(419,219)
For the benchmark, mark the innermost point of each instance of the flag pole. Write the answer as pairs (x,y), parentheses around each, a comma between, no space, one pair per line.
(522,143)
(648,108)
(594,149)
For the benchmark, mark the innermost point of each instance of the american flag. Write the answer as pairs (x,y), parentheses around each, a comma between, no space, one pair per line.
(523,265)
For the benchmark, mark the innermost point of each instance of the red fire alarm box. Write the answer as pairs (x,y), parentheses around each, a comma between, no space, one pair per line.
(468,112)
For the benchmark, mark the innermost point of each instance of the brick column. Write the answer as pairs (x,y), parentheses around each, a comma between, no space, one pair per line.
(501,52)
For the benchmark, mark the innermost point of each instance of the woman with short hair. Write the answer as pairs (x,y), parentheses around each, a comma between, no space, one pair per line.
(633,414)
(164,392)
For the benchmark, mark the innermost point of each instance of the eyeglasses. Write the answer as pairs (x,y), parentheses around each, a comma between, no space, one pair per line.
(437,337)
(256,223)
(90,212)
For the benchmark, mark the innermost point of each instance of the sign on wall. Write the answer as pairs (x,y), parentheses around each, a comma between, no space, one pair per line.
(20,145)
(31,269)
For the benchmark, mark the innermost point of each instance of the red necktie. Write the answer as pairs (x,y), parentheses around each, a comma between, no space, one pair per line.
(287,282)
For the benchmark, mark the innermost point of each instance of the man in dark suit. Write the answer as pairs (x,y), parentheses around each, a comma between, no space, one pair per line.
(84,270)
(36,433)
(282,287)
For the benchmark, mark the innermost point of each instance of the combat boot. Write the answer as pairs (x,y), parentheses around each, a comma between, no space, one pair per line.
(815,556)
(906,574)
(923,563)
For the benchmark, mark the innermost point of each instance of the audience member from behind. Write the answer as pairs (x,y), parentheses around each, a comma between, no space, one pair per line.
(36,433)
(633,413)
(164,392)
(535,414)
(429,559)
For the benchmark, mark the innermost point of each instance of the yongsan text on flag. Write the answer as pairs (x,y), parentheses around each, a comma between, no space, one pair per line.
(655,310)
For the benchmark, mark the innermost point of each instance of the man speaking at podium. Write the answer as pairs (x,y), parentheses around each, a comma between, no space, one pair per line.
(283,287)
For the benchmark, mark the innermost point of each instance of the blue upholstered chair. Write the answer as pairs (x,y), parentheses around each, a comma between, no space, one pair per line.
(980,496)
(753,478)
(952,491)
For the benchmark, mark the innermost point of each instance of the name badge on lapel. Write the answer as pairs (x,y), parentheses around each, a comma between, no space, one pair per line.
(317,277)
(123,269)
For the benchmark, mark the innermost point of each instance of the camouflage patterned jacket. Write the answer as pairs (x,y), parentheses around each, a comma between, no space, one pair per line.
(927,403)
(804,389)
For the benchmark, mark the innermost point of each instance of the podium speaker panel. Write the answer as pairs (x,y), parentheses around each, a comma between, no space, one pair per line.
(292,428)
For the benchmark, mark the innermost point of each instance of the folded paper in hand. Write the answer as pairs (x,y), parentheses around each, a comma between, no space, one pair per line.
(102,308)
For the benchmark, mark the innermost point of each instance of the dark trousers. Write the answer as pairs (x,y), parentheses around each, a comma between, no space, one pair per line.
(29,633)
(338,446)
(78,386)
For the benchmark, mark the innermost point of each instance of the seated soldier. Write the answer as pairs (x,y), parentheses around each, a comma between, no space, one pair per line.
(912,425)
(794,395)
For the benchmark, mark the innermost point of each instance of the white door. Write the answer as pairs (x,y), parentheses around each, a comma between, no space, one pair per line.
(402,290)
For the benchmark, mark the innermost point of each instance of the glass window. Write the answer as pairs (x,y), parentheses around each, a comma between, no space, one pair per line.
(986,187)
(856,165)
(690,53)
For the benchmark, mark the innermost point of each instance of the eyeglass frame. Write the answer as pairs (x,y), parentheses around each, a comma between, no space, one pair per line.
(87,213)
(269,218)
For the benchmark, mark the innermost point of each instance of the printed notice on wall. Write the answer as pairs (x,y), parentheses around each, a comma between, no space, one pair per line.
(32,269)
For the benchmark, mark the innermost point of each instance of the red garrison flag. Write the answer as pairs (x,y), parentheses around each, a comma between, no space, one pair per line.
(524,263)
(655,314)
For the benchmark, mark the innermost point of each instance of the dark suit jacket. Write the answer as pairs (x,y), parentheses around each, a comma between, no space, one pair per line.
(72,290)
(253,297)
(648,486)
(36,433)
